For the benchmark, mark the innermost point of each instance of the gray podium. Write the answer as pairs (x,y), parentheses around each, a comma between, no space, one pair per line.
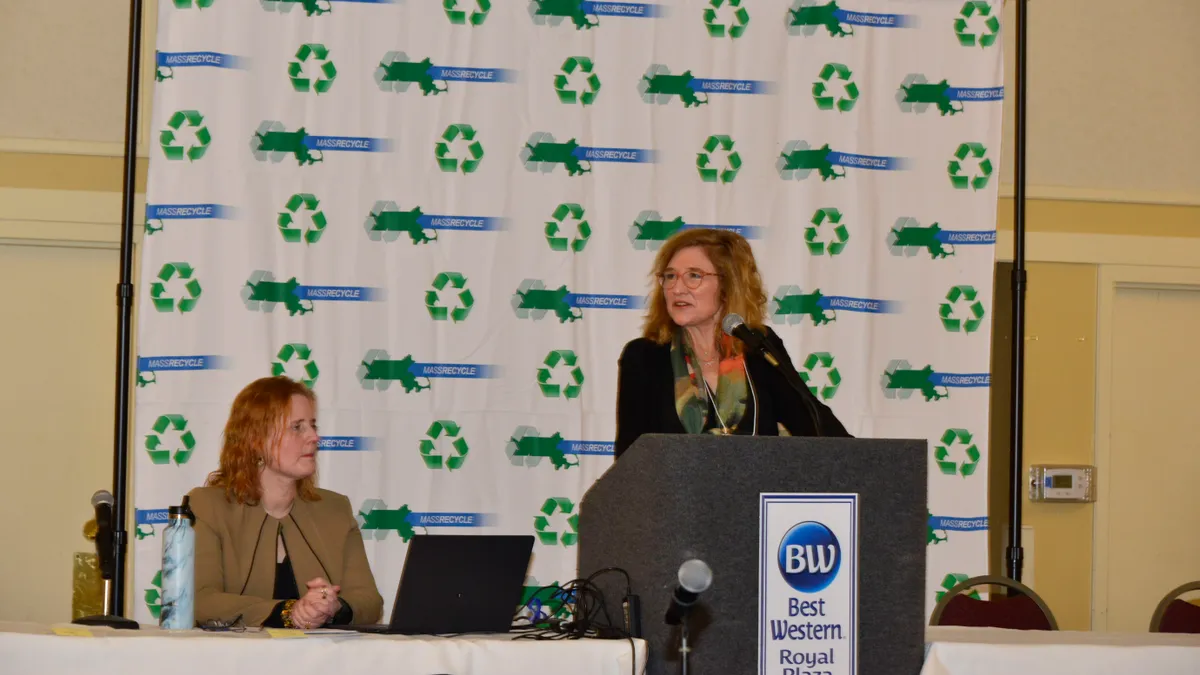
(675,497)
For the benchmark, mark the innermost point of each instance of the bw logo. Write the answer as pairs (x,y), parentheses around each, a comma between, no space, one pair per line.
(810,557)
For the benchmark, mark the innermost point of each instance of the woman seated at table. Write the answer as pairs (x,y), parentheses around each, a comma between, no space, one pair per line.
(272,548)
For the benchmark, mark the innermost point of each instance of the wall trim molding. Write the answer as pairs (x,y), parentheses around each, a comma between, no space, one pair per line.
(53,146)
(1102,249)
(1072,194)
(64,218)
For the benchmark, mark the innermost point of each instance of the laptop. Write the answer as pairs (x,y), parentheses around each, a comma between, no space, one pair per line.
(456,583)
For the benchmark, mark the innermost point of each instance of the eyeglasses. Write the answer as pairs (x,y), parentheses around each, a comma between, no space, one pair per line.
(691,278)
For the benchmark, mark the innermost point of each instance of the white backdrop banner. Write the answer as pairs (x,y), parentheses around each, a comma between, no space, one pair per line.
(442,215)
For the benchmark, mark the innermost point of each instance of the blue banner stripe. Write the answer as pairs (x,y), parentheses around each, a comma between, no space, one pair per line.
(953,523)
(339,293)
(602,301)
(443,519)
(729,86)
(468,371)
(195,59)
(975,93)
(163,363)
(966,237)
(747,231)
(181,211)
(346,443)
(465,74)
(868,305)
(630,9)
(872,162)
(875,20)
(470,223)
(150,516)
(960,379)
(347,144)
(628,155)
(587,448)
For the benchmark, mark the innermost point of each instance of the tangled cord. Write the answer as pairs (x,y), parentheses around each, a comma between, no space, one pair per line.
(571,611)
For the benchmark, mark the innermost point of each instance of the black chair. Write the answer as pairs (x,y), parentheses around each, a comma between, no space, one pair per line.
(1020,609)
(1174,615)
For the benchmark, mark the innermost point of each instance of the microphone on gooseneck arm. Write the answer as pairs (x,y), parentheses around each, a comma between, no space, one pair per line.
(694,578)
(735,326)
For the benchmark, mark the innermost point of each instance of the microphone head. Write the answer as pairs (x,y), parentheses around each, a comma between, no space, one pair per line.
(102,497)
(732,322)
(695,576)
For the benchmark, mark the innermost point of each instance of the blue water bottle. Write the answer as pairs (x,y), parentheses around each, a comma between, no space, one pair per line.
(179,569)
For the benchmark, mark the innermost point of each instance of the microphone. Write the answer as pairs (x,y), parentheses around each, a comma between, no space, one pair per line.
(102,503)
(694,578)
(735,326)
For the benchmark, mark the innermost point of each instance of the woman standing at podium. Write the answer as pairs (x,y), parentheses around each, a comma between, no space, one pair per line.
(685,376)
(271,547)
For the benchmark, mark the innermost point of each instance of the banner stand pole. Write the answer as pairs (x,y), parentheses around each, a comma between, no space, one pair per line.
(1015,554)
(116,597)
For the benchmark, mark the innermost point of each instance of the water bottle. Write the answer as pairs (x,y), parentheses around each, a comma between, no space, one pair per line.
(179,569)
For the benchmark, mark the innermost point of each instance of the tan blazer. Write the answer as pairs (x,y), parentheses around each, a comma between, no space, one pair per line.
(236,554)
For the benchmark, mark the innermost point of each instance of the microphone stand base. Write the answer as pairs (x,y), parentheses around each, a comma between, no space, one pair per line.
(118,622)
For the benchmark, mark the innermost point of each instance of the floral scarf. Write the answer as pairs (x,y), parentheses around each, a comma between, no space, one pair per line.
(691,395)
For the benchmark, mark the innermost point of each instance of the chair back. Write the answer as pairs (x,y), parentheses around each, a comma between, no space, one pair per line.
(1174,615)
(1024,611)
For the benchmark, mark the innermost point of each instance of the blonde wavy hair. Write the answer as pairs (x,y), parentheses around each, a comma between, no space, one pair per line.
(256,422)
(740,283)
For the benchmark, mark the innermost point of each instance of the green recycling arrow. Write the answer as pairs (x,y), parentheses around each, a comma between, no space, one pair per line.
(591,82)
(302,354)
(562,216)
(459,16)
(287,219)
(160,452)
(812,236)
(541,523)
(822,95)
(449,162)
(172,150)
(960,296)
(735,28)
(704,162)
(158,289)
(428,446)
(433,303)
(562,360)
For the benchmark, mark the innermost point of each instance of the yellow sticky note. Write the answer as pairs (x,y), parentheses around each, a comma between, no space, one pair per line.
(72,631)
(285,633)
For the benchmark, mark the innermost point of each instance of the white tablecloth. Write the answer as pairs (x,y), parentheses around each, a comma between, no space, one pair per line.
(30,649)
(991,651)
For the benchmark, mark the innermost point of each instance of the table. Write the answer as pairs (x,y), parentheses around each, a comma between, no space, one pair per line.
(953,650)
(34,649)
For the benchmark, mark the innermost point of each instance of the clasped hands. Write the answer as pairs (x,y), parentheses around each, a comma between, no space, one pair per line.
(317,606)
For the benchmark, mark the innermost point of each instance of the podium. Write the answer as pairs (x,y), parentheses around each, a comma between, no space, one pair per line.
(671,498)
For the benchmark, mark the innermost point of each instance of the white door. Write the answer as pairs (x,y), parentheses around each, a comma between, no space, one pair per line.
(1148,513)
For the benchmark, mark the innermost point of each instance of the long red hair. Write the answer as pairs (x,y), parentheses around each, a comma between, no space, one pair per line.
(256,421)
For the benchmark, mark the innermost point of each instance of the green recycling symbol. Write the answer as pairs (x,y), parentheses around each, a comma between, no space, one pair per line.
(153,596)
(287,219)
(954,438)
(558,361)
(438,311)
(991,24)
(328,72)
(562,84)
(163,453)
(736,27)
(960,296)
(449,162)
(559,220)
(812,237)
(144,530)
(704,162)
(821,362)
(158,289)
(303,355)
(541,523)
(825,98)
(432,457)
(172,149)
(187,4)
(459,17)
(960,180)
(950,581)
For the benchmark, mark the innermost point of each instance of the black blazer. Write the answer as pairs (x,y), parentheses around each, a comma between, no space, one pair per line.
(646,396)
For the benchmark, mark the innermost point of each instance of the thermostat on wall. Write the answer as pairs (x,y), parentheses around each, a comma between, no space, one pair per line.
(1062,483)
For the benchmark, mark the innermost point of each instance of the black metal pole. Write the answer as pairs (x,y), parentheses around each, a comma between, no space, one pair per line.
(1015,554)
(125,311)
